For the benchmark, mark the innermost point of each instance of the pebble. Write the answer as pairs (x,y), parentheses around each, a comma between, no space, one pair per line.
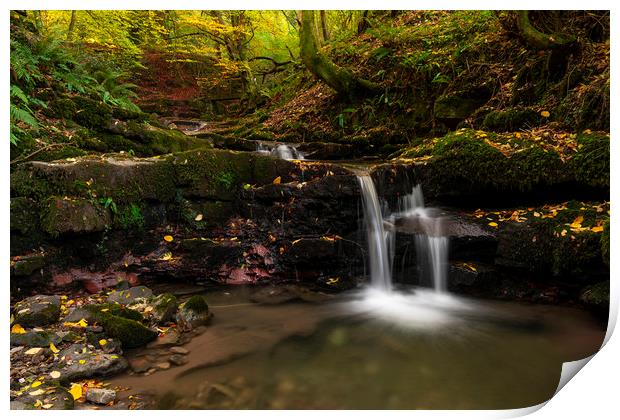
(100,395)
(163,365)
(179,350)
(178,359)
(139,364)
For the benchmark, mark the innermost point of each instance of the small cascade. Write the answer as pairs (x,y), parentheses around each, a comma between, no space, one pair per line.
(379,261)
(283,151)
(431,242)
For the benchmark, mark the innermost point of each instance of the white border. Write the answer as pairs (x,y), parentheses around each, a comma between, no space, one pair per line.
(592,394)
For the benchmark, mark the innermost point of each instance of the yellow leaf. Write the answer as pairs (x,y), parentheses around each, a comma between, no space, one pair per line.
(17,329)
(70,302)
(277,180)
(35,384)
(198,218)
(168,238)
(493,224)
(33,350)
(545,114)
(82,323)
(597,229)
(166,257)
(55,374)
(53,348)
(82,362)
(103,342)
(577,222)
(37,392)
(295,241)
(76,391)
(563,233)
(536,214)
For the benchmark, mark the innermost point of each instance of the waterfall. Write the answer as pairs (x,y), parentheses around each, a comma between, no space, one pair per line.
(379,261)
(431,242)
(282,151)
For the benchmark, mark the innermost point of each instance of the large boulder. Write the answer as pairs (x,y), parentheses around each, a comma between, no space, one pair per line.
(37,311)
(62,215)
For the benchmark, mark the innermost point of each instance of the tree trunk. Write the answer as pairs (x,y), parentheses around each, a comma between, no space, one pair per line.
(71,26)
(363,23)
(324,26)
(538,39)
(340,79)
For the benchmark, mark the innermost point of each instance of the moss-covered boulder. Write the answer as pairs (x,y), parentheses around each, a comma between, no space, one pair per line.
(129,332)
(35,339)
(62,215)
(37,311)
(27,264)
(193,313)
(164,308)
(511,119)
(591,162)
(456,106)
(92,113)
(122,179)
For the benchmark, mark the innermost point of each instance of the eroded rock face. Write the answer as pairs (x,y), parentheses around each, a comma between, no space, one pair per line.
(62,215)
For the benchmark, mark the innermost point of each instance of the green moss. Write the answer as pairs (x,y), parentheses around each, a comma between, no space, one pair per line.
(62,108)
(596,294)
(129,217)
(197,304)
(73,215)
(511,119)
(91,113)
(115,309)
(605,242)
(24,215)
(575,254)
(591,162)
(533,167)
(130,332)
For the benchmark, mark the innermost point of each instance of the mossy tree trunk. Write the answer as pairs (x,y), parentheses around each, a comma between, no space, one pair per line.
(338,78)
(539,39)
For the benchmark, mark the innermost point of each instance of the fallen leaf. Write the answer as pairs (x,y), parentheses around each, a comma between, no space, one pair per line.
(82,361)
(577,222)
(536,214)
(277,180)
(563,233)
(17,329)
(103,342)
(37,392)
(545,114)
(198,218)
(168,238)
(166,257)
(597,229)
(55,374)
(493,224)
(34,350)
(35,384)
(76,391)
(53,348)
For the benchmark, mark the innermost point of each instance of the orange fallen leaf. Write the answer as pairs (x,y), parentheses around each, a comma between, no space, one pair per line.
(577,222)
(277,180)
(168,238)
(17,329)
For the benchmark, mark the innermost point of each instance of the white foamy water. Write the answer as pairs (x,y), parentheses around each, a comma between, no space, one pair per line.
(282,151)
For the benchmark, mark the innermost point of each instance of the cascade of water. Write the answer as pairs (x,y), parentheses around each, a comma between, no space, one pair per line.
(380,275)
(431,243)
(282,151)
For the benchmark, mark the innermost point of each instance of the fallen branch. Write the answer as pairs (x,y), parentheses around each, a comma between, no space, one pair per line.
(36,152)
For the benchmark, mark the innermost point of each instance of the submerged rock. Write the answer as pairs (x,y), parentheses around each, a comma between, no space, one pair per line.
(193,313)
(37,311)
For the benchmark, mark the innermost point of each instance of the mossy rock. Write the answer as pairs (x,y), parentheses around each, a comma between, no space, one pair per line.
(35,339)
(115,309)
(92,113)
(124,180)
(129,332)
(127,297)
(37,311)
(201,215)
(511,119)
(28,264)
(65,108)
(62,215)
(164,307)
(605,242)
(193,313)
(24,215)
(591,162)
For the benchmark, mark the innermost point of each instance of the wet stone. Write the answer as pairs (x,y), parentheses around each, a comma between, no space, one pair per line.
(163,365)
(179,350)
(100,395)
(140,364)
(37,311)
(35,339)
(178,359)
(126,297)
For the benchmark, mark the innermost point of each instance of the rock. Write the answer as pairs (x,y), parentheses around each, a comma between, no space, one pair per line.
(596,297)
(178,359)
(37,311)
(164,308)
(454,107)
(140,364)
(59,397)
(129,332)
(27,264)
(90,364)
(169,338)
(178,350)
(62,215)
(77,314)
(192,313)
(127,297)
(163,365)
(100,395)
(35,339)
